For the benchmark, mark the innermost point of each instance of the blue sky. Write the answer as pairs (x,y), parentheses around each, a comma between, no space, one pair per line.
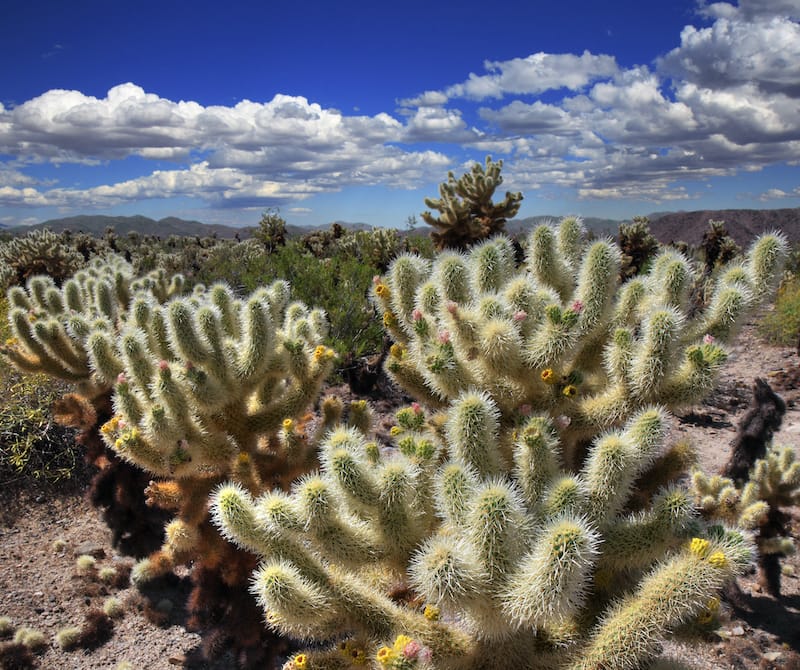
(356,111)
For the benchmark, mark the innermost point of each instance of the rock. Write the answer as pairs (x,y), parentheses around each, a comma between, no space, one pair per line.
(89,548)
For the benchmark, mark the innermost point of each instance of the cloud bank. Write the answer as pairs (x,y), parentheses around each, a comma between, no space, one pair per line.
(726,99)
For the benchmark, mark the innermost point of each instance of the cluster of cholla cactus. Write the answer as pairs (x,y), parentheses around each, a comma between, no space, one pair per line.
(466,213)
(40,252)
(759,505)
(204,387)
(503,528)
(52,327)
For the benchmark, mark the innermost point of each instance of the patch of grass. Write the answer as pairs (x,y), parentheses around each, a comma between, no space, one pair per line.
(782,324)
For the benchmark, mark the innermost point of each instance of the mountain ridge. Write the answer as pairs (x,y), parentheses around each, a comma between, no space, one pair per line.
(743,225)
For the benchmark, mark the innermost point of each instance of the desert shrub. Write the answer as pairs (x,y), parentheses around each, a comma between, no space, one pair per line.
(34,449)
(781,325)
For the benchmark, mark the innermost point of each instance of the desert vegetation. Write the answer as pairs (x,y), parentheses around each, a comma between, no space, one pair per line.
(525,507)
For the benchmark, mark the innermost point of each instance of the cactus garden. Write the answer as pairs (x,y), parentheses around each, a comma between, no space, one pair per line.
(514,453)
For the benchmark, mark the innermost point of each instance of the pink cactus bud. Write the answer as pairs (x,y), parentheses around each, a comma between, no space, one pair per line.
(577,306)
(412,649)
(163,365)
(520,316)
(708,339)
(451,307)
(444,336)
(121,378)
(563,421)
(416,315)
(416,407)
(376,280)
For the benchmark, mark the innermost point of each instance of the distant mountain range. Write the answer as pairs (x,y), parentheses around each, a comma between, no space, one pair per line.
(742,224)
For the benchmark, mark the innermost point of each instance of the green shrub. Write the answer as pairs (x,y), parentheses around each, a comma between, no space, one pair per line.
(33,448)
(782,324)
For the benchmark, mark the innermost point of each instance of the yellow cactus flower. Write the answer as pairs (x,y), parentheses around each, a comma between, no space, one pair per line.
(300,662)
(385,656)
(718,560)
(382,291)
(397,350)
(400,643)
(288,425)
(548,376)
(431,612)
(699,547)
(389,319)
(319,352)
(394,431)
(570,390)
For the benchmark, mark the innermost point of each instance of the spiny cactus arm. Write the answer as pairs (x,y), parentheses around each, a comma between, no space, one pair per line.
(452,275)
(537,458)
(570,239)
(491,264)
(673,593)
(551,581)
(670,279)
(43,346)
(472,432)
(764,263)
(636,541)
(403,370)
(547,265)
(597,285)
(650,362)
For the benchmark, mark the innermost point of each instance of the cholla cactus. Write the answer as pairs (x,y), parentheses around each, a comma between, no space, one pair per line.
(559,334)
(466,212)
(773,485)
(38,252)
(500,532)
(52,325)
(511,560)
(205,387)
(209,386)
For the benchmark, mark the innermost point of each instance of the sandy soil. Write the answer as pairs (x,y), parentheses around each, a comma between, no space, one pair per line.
(43,533)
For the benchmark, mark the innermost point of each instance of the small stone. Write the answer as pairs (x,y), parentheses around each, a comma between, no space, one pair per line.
(89,548)
(772,655)
(737,631)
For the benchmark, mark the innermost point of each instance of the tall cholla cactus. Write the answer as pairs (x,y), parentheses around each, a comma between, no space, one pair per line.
(209,386)
(467,214)
(504,529)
